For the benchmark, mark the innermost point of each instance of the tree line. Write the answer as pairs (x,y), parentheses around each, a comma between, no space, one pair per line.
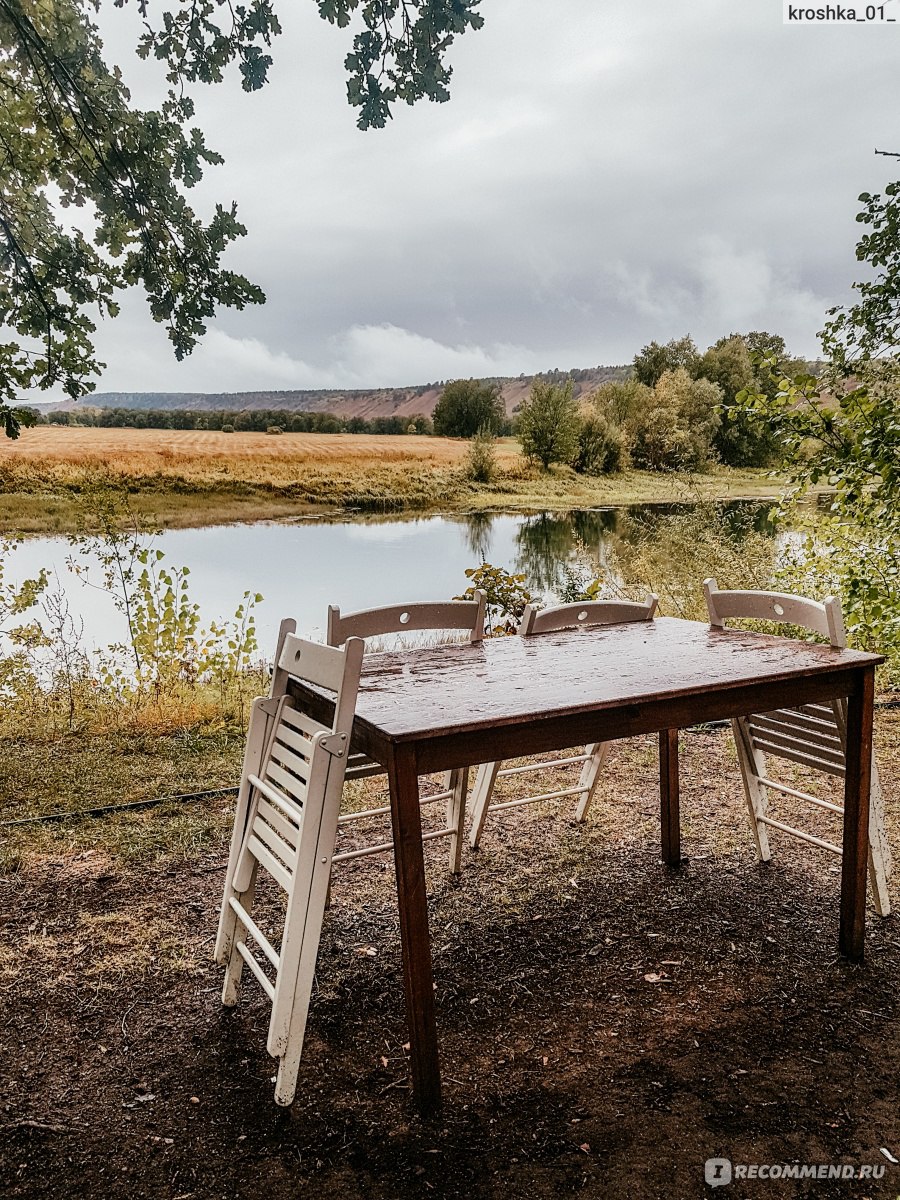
(674,408)
(677,408)
(251,420)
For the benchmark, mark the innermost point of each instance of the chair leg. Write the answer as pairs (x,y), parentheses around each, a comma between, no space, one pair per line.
(879,849)
(590,777)
(481,799)
(257,739)
(752,765)
(235,965)
(286,1076)
(456,815)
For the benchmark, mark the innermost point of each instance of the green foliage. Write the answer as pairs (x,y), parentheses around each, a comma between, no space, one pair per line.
(621,403)
(654,360)
(72,138)
(481,460)
(870,328)
(742,439)
(676,430)
(167,651)
(467,406)
(843,430)
(601,445)
(672,555)
(506,597)
(256,420)
(549,421)
(851,444)
(400,53)
(16,600)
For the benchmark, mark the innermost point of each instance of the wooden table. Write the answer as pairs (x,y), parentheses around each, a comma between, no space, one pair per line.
(429,710)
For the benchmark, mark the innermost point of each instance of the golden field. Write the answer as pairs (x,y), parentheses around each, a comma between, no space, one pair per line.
(200,477)
(149,450)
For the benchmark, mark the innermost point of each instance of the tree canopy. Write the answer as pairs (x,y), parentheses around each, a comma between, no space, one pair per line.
(549,423)
(467,406)
(843,429)
(70,137)
(653,360)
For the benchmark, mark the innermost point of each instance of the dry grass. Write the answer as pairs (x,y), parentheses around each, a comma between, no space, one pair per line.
(190,478)
(148,451)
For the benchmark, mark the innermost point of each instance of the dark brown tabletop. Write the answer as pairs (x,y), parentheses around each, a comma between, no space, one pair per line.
(606,673)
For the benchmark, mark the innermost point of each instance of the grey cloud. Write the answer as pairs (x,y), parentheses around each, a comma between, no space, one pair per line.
(604,174)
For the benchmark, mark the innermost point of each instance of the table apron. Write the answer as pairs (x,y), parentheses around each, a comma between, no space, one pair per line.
(443,750)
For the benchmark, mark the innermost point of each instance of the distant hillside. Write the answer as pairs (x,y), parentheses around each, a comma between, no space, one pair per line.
(380,402)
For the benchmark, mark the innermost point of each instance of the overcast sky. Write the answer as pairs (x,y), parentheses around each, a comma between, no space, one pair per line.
(605,173)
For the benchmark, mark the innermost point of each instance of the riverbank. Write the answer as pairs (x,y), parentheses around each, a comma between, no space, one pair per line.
(185,479)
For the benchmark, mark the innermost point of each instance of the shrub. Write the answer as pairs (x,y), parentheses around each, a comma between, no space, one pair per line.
(677,429)
(228,429)
(274,429)
(506,597)
(601,446)
(481,460)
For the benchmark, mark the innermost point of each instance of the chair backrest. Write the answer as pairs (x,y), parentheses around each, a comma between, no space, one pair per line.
(825,619)
(467,615)
(585,614)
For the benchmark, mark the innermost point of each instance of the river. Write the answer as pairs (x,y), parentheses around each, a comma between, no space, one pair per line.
(300,567)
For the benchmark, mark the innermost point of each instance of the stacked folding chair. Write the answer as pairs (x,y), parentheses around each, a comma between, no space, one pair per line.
(285,825)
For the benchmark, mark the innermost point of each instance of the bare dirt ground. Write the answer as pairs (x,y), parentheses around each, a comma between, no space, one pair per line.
(606,1025)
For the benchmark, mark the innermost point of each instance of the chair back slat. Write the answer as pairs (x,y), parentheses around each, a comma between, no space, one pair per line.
(290,760)
(283,850)
(464,615)
(312,662)
(285,826)
(294,720)
(824,619)
(286,782)
(799,742)
(585,614)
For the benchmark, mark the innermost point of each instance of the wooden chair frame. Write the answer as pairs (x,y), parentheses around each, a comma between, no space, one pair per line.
(462,615)
(286,823)
(584,615)
(814,735)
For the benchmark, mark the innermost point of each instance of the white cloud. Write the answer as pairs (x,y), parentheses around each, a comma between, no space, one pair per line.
(388,356)
(139,359)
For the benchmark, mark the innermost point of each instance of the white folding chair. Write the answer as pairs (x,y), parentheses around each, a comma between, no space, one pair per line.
(566,616)
(453,615)
(813,735)
(286,823)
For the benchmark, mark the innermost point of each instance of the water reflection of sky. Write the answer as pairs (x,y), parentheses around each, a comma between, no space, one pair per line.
(301,568)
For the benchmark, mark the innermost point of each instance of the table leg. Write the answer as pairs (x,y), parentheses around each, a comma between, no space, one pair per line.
(413,905)
(857,789)
(669,798)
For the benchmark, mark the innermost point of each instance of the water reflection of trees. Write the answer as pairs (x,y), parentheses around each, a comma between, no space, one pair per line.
(549,543)
(557,552)
(478,527)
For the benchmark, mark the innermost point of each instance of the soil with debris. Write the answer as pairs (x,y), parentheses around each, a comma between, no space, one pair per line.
(606,1025)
